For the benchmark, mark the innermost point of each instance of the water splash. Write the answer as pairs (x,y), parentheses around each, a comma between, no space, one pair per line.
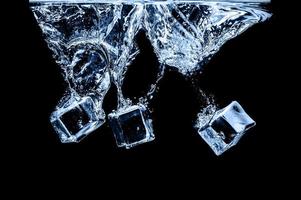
(93,43)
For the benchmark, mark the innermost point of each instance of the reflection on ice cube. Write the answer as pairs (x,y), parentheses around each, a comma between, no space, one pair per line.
(76,119)
(131,126)
(226,127)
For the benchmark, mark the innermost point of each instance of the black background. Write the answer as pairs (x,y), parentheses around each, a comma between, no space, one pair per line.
(250,69)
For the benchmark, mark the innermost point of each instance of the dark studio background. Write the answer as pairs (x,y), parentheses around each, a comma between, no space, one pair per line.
(246,69)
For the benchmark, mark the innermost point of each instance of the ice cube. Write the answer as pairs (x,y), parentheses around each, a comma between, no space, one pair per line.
(226,128)
(131,126)
(76,119)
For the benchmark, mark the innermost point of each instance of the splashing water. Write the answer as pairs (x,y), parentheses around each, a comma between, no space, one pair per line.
(93,43)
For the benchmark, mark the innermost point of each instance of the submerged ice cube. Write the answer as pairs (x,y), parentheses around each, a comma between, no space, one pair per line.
(131,126)
(76,119)
(226,128)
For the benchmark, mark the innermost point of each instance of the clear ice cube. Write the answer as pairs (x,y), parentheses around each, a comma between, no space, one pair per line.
(76,118)
(226,128)
(131,126)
